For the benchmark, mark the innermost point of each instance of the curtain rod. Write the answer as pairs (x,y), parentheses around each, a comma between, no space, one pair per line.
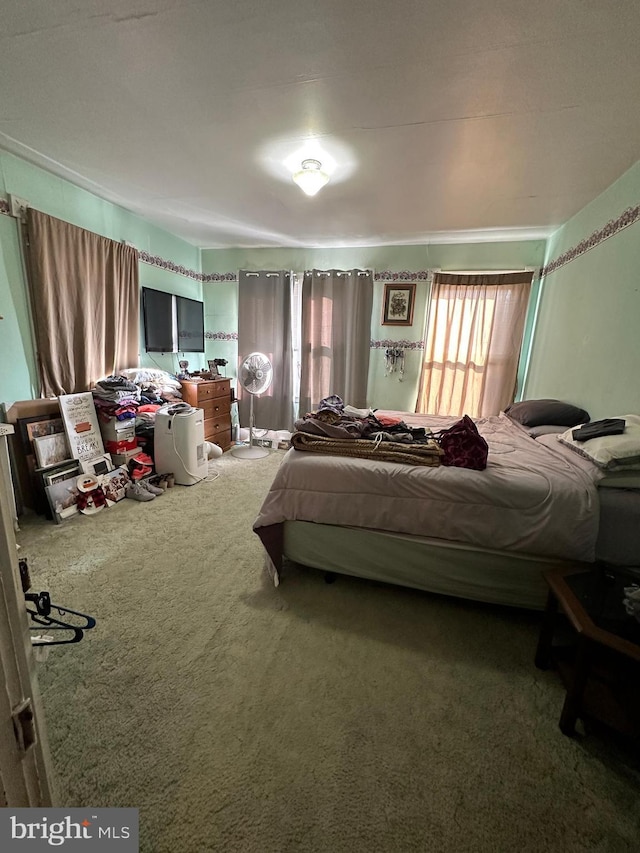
(486,272)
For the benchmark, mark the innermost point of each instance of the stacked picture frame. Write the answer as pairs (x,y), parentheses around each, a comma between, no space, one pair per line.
(60,486)
(54,449)
(49,463)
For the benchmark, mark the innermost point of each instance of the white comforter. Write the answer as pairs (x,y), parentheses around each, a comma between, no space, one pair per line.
(535,497)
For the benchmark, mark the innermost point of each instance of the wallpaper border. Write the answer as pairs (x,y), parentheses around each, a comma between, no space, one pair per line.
(382,344)
(385,343)
(221,336)
(628,217)
(404,275)
(219,276)
(162,263)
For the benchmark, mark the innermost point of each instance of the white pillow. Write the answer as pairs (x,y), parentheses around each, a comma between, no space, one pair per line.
(150,376)
(611,452)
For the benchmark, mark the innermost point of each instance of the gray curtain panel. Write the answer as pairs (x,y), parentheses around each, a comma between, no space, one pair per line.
(264,325)
(85,303)
(336,335)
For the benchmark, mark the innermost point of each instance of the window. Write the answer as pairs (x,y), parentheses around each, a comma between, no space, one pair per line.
(474,334)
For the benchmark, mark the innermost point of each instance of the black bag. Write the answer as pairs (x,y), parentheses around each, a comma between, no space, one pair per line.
(463,445)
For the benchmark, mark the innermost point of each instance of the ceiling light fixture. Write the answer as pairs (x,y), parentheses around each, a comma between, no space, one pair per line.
(310,178)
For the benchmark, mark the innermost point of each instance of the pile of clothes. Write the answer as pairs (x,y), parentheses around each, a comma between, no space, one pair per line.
(116,397)
(346,431)
(332,418)
(126,404)
(156,386)
(135,394)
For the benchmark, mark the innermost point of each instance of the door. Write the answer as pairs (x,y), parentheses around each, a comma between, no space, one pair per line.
(25,768)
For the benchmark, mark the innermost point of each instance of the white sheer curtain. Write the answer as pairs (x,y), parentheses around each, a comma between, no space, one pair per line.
(264,325)
(474,336)
(336,334)
(296,336)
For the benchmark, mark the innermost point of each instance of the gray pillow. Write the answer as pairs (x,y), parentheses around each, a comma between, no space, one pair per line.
(545,429)
(533,413)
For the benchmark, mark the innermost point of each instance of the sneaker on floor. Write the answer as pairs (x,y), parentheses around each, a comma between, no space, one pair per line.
(140,471)
(137,492)
(155,490)
(143,458)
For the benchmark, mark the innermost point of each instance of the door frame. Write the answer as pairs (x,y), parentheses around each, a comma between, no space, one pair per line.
(26,778)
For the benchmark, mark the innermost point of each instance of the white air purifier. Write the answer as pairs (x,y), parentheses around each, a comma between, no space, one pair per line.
(178,444)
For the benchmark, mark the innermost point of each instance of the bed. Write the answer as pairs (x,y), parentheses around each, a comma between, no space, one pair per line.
(484,535)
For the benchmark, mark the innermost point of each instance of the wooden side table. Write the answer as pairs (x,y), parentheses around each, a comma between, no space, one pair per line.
(601,667)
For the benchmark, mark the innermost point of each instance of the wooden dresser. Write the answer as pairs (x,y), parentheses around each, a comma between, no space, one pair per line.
(214,397)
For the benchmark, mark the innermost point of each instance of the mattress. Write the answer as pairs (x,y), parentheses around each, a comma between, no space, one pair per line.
(530,499)
(618,540)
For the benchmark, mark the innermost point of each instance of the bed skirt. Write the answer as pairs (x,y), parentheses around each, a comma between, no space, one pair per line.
(432,565)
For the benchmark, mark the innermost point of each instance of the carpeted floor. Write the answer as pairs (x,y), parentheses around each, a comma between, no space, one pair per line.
(346,717)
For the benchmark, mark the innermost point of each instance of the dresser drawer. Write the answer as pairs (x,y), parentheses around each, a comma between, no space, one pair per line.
(214,426)
(220,436)
(216,408)
(211,390)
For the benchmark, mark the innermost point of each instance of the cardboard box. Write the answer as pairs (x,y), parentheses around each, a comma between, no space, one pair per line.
(121,446)
(115,430)
(123,458)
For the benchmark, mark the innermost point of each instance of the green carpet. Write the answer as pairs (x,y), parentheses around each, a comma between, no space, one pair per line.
(345,717)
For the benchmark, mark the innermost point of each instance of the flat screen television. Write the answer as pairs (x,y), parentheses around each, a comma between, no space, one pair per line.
(172,323)
(190,324)
(158,318)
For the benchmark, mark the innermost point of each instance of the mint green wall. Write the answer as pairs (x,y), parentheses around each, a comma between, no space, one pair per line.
(586,346)
(62,199)
(389,392)
(18,380)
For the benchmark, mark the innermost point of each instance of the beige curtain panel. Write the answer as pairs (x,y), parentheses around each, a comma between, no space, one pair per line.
(85,302)
(336,336)
(474,336)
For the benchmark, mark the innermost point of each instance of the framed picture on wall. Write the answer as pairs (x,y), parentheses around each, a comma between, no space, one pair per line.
(398,303)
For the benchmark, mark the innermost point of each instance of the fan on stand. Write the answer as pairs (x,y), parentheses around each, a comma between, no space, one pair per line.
(255,376)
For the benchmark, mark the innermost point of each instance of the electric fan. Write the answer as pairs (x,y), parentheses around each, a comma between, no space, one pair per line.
(255,376)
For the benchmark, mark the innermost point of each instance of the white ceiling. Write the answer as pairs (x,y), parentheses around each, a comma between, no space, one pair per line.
(441,120)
